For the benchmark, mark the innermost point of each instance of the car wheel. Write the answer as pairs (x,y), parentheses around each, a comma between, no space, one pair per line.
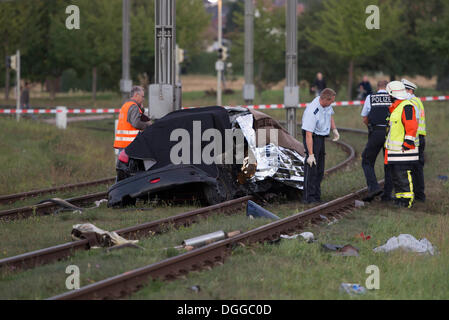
(216,193)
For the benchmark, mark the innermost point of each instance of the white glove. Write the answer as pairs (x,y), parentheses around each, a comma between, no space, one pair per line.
(336,135)
(311,160)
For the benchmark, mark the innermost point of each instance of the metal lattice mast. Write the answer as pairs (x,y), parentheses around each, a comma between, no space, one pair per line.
(162,93)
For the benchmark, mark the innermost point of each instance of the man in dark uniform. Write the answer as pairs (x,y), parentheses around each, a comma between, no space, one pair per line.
(375,113)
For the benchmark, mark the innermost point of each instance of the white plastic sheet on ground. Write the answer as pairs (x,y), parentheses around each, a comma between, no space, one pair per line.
(408,243)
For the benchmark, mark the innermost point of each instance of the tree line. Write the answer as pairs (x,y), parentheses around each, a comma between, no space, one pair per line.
(412,39)
(48,48)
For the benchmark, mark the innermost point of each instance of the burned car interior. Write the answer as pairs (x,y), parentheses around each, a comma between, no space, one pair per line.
(212,154)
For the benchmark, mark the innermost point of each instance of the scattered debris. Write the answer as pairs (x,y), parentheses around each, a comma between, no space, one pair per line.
(359,204)
(305,235)
(206,239)
(99,202)
(64,204)
(196,288)
(125,245)
(345,251)
(256,211)
(352,288)
(348,251)
(100,238)
(362,236)
(443,178)
(408,243)
(331,247)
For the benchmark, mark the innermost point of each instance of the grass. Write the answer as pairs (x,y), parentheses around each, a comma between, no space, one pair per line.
(39,155)
(290,270)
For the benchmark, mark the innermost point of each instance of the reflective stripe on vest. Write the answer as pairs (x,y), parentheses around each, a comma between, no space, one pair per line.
(422,116)
(125,133)
(396,136)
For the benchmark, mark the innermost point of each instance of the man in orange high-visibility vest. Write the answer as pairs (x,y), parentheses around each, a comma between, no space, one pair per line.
(131,119)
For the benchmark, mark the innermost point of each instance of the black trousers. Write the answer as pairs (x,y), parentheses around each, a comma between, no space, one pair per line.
(376,141)
(403,184)
(314,175)
(418,171)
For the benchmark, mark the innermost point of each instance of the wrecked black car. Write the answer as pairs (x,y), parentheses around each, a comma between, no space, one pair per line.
(211,153)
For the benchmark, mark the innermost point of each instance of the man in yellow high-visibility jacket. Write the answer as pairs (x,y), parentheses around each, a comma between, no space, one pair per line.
(401,152)
(418,170)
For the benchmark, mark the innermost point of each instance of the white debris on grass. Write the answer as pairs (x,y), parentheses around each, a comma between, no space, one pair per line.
(306,235)
(408,243)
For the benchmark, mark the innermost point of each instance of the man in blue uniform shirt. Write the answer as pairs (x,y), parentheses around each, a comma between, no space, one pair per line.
(317,121)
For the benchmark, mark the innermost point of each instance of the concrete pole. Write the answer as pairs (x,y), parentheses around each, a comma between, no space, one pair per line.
(220,70)
(291,90)
(125,83)
(248,88)
(18,85)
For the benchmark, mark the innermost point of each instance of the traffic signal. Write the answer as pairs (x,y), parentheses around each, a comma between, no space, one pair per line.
(225,53)
(8,62)
(13,63)
(179,54)
(220,53)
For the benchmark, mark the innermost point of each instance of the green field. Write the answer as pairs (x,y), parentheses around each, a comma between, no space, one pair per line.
(290,270)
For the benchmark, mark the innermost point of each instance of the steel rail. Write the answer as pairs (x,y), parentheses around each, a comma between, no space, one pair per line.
(59,252)
(210,255)
(48,207)
(10,198)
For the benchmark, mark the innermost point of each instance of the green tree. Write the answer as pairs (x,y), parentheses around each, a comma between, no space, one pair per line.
(11,30)
(342,30)
(433,35)
(269,43)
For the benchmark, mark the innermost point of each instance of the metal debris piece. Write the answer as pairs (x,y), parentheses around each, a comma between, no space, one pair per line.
(256,211)
(63,203)
(206,239)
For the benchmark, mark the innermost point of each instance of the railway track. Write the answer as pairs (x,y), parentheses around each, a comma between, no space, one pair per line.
(212,254)
(58,252)
(49,207)
(11,198)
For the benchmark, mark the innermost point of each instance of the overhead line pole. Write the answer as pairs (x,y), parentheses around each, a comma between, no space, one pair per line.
(125,83)
(219,70)
(291,90)
(248,88)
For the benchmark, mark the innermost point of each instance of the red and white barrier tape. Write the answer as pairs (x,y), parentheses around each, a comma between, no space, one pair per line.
(257,107)
(46,111)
